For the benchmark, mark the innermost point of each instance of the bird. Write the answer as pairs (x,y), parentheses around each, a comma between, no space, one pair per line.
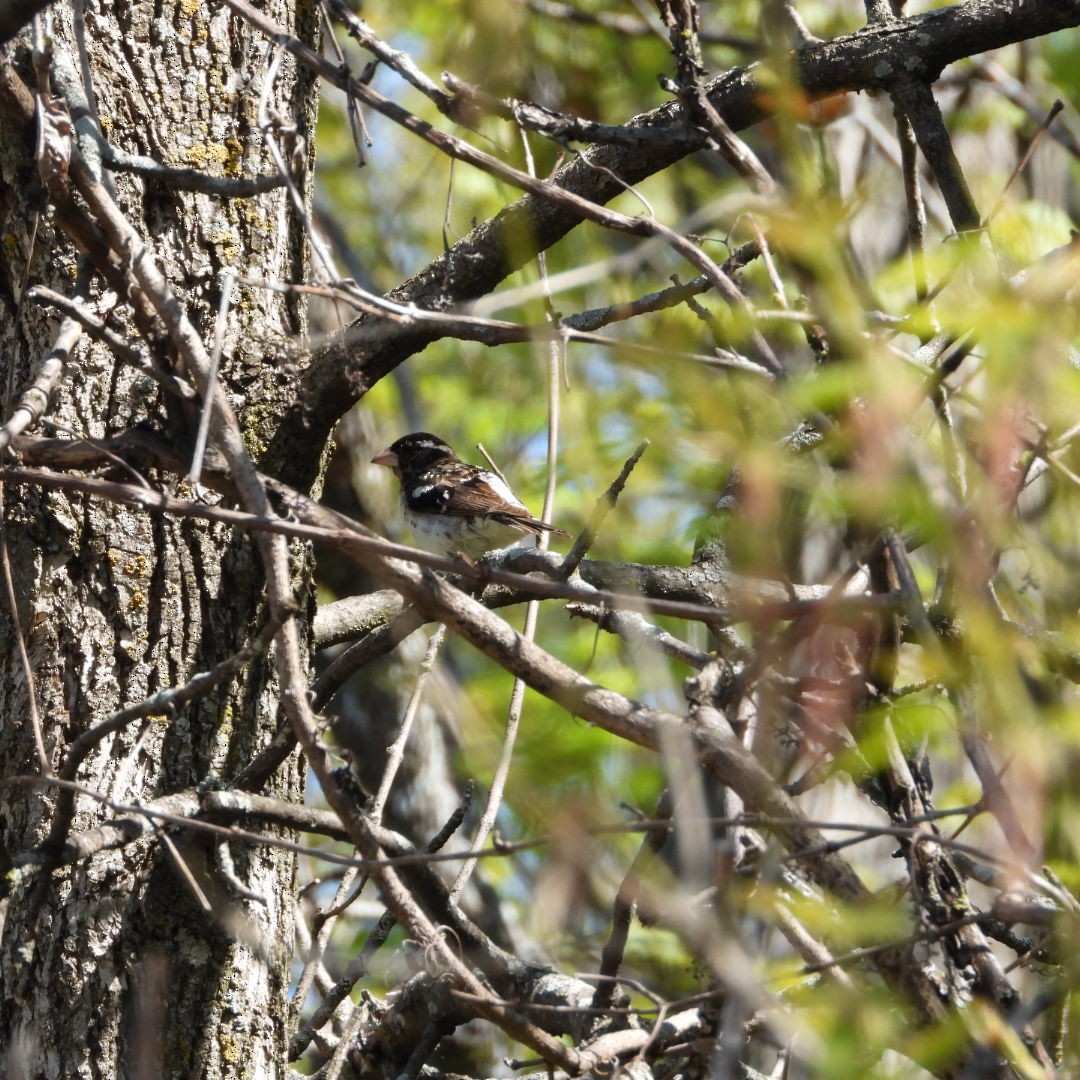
(451,507)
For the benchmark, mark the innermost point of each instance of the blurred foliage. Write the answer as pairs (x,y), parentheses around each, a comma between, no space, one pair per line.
(837,242)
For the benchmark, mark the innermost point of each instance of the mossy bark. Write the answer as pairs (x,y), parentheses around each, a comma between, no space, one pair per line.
(113,966)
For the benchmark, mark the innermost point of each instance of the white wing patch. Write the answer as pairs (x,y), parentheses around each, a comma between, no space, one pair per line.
(501,489)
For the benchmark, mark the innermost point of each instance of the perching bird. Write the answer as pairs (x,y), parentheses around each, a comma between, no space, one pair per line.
(454,507)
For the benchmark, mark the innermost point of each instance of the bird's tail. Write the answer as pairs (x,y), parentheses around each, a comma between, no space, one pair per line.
(527,523)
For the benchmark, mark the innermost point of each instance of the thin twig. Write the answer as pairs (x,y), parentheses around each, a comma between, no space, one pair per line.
(357,127)
(270,124)
(33,402)
(913,197)
(20,641)
(604,505)
(1025,157)
(322,926)
(185,872)
(396,751)
(228,280)
(612,954)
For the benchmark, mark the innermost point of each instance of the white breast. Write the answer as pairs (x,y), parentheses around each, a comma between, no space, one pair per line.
(448,535)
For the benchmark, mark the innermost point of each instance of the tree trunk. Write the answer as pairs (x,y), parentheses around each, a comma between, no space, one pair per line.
(146,960)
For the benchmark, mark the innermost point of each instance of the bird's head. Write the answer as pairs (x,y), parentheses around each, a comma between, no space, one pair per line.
(413,453)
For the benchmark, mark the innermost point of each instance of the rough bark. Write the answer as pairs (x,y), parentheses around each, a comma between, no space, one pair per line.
(114,967)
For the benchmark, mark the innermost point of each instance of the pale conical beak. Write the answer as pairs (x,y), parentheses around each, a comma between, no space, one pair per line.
(385,457)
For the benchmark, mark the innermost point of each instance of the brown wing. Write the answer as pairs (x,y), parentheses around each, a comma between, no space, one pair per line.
(473,496)
(467,496)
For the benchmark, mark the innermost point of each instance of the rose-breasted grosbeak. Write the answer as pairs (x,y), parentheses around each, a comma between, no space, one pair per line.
(453,507)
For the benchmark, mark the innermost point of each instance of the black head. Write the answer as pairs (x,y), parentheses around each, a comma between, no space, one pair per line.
(414,453)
